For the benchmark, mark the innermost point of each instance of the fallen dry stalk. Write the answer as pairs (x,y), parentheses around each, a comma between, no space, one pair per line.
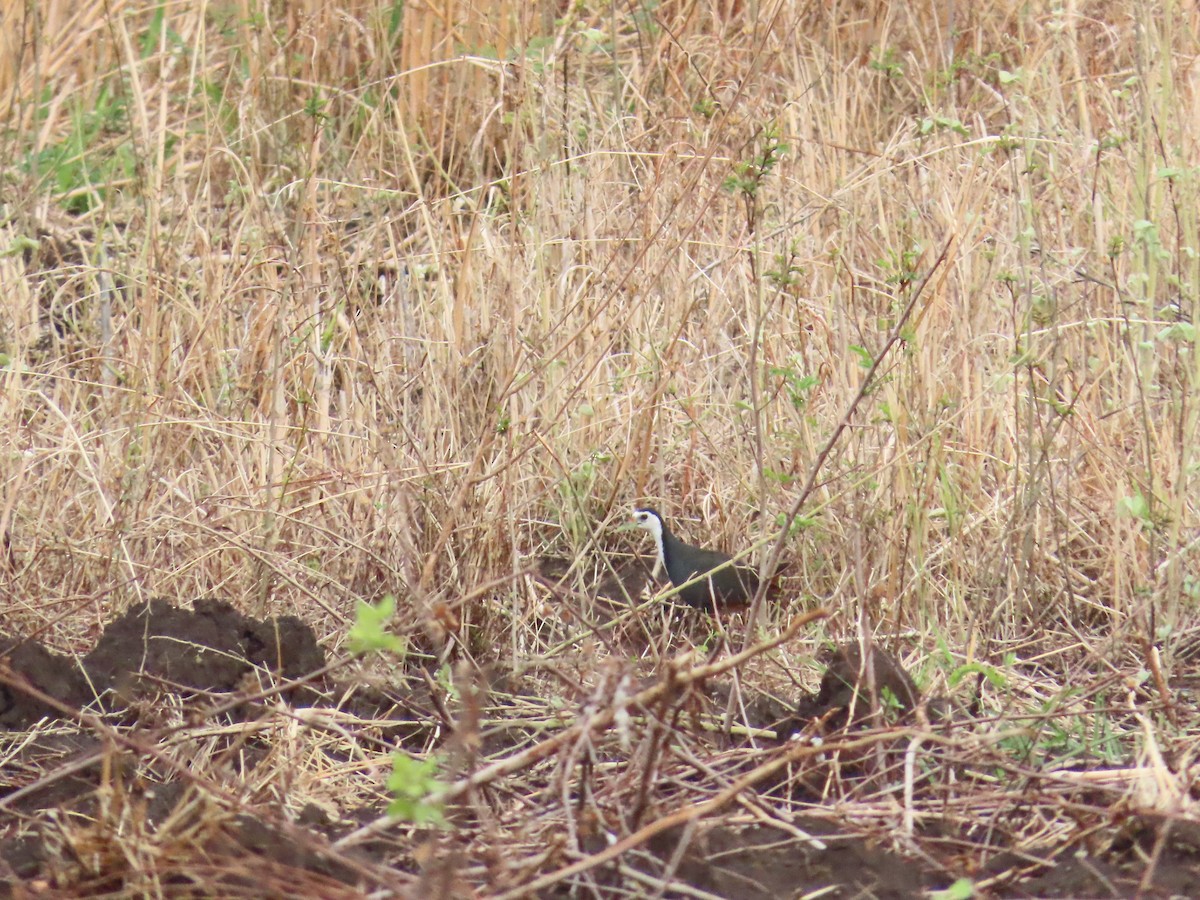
(687,814)
(146,747)
(601,720)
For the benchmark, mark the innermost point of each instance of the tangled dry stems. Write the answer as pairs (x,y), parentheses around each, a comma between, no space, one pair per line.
(307,306)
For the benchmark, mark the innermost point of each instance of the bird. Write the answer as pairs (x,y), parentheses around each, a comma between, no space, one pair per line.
(731,586)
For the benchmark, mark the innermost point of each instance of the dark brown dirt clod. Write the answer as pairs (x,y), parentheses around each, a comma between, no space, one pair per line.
(852,691)
(209,648)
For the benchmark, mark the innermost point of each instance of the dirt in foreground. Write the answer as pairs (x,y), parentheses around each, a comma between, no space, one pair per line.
(158,762)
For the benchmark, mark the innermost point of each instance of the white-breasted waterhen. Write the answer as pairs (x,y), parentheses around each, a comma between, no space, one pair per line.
(729,587)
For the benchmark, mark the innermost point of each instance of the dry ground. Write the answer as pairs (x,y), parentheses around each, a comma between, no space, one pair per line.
(304,304)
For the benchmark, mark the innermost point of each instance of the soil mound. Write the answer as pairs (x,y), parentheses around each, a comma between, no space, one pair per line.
(210,647)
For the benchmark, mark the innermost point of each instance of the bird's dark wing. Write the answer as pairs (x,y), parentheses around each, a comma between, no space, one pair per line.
(701,561)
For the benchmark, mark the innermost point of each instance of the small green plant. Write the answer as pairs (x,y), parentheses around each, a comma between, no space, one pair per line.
(976,64)
(994,676)
(799,386)
(786,275)
(963,889)
(1017,744)
(152,35)
(1111,141)
(1068,738)
(369,633)
(749,176)
(577,490)
(597,41)
(900,267)
(445,681)
(1145,233)
(887,63)
(1191,584)
(865,359)
(416,790)
(226,113)
(772,474)
(395,18)
(81,166)
(314,107)
(890,703)
(1134,506)
(931,124)
(799,523)
(1138,506)
(952,508)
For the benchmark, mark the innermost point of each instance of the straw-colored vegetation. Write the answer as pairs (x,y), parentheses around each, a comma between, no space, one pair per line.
(304,303)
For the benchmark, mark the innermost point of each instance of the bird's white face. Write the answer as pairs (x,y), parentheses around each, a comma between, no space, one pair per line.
(648,520)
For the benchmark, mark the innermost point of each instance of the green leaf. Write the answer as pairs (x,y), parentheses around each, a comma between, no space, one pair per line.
(975,668)
(799,523)
(21,244)
(865,359)
(1179,331)
(1134,507)
(1145,231)
(369,633)
(930,124)
(416,790)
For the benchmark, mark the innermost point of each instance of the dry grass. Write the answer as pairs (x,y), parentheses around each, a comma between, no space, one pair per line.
(304,303)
